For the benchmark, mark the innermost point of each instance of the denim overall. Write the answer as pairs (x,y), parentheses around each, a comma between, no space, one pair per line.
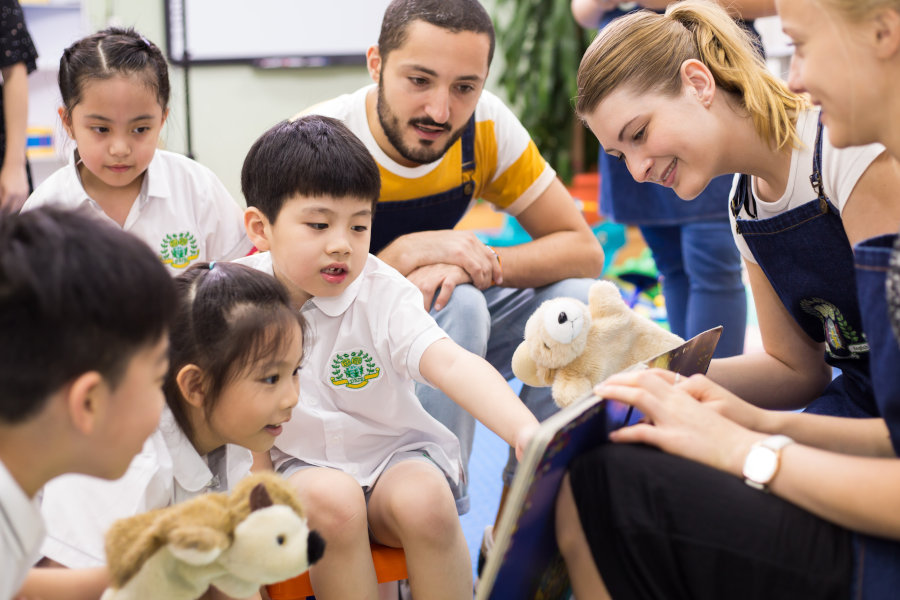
(877,568)
(808,260)
(437,211)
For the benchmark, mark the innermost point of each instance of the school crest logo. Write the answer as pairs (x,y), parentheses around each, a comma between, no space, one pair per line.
(354,370)
(179,249)
(841,339)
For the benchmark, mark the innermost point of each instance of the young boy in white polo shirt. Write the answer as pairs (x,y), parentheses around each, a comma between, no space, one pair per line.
(84,316)
(365,457)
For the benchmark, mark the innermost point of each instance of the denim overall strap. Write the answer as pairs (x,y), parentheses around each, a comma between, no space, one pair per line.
(872,257)
(877,568)
(428,213)
(806,256)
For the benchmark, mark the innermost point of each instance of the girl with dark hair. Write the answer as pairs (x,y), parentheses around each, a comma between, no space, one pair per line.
(236,348)
(115,92)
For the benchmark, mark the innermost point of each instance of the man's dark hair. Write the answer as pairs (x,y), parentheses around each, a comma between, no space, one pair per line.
(310,156)
(453,15)
(76,295)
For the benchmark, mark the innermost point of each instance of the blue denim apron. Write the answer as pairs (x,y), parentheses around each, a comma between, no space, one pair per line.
(437,211)
(807,258)
(877,560)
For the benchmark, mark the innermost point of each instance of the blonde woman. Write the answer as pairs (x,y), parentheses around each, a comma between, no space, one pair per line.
(639,523)
(683,97)
(691,242)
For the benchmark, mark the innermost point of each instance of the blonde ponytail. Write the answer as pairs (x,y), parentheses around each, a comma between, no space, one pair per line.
(644,51)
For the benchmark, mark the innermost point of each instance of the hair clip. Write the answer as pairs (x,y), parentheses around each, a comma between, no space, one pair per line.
(147,43)
(212,265)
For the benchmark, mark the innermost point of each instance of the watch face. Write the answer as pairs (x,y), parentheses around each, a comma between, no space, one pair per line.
(761,464)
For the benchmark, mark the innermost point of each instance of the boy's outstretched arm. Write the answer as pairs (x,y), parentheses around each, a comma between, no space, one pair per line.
(474,384)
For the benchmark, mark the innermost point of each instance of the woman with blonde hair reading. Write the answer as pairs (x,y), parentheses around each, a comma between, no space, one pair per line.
(683,97)
(635,522)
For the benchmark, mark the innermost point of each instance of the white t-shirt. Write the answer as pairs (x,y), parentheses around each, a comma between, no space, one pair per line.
(21,532)
(79,509)
(358,405)
(841,169)
(509,170)
(183,212)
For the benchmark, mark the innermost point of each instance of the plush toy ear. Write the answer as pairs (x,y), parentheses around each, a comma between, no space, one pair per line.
(259,497)
(604,300)
(524,367)
(197,545)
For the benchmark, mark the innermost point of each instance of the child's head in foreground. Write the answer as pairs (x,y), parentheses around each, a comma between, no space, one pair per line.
(84,314)
(237,344)
(311,188)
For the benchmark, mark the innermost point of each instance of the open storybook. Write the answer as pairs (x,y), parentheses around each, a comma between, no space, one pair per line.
(525,562)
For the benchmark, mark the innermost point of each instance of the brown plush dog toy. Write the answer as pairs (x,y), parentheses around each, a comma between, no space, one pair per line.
(254,536)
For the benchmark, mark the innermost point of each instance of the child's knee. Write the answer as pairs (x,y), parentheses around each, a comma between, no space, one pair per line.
(333,500)
(430,512)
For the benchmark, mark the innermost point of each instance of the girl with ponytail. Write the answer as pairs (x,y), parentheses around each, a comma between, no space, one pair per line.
(114,86)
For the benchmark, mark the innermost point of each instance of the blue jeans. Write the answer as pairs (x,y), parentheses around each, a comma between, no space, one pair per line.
(701,280)
(491,324)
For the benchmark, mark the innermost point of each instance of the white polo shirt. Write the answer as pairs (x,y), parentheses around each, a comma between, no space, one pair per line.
(358,406)
(79,509)
(21,532)
(183,212)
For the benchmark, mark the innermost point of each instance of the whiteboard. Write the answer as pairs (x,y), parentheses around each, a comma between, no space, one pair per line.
(273,33)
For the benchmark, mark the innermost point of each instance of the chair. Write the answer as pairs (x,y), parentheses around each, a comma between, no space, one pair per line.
(390,565)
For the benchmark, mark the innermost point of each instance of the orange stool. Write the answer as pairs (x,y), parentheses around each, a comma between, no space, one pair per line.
(390,565)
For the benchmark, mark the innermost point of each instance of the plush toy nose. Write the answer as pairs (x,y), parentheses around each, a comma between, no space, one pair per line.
(562,318)
(315,547)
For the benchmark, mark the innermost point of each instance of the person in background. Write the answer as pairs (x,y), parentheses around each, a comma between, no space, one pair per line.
(115,91)
(85,311)
(18,58)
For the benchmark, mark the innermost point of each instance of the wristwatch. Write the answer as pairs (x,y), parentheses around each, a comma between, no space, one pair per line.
(763,460)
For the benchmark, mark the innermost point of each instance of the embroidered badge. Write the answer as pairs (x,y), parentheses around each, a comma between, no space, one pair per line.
(353,370)
(179,249)
(841,339)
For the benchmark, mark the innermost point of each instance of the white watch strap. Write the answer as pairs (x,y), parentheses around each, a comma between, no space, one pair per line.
(776,442)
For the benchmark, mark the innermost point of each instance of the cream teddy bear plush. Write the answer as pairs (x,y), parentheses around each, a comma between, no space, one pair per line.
(254,536)
(572,347)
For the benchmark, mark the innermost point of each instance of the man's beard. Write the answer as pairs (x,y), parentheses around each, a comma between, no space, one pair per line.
(424,154)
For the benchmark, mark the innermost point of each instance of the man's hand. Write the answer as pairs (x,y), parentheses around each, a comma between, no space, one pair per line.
(431,278)
(446,246)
